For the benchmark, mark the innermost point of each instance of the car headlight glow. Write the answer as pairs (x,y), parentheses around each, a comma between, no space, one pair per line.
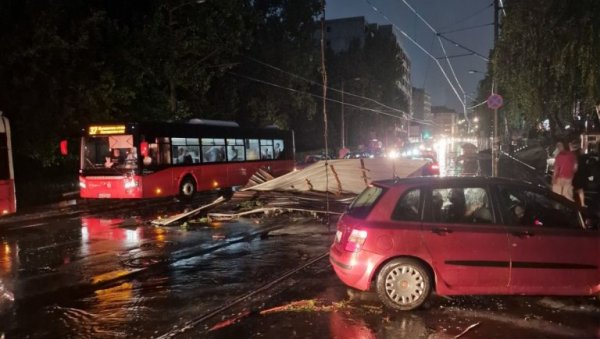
(393,154)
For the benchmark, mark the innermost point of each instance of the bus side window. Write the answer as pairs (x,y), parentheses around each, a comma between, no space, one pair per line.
(193,149)
(213,150)
(252,149)
(278,149)
(178,150)
(235,150)
(266,149)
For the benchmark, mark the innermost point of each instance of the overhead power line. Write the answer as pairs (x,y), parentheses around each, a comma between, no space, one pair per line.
(362,108)
(441,45)
(463,47)
(328,87)
(502,7)
(467,28)
(459,21)
(454,56)
(399,30)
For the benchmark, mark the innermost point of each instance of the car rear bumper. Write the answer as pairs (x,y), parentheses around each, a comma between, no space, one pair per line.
(354,269)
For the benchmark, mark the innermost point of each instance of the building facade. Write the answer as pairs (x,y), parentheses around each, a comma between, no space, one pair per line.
(343,32)
(421,104)
(445,121)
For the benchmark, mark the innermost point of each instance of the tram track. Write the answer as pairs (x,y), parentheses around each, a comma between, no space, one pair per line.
(85,207)
(140,265)
(126,272)
(203,318)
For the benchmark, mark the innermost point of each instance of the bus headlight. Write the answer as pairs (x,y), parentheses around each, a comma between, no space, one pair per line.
(82,184)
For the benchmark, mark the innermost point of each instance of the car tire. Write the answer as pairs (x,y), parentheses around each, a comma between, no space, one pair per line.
(403,284)
(187,189)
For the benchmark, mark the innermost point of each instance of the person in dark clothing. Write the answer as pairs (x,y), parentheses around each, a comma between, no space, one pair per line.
(580,177)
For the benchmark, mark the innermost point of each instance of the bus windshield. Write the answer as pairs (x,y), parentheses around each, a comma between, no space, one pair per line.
(109,152)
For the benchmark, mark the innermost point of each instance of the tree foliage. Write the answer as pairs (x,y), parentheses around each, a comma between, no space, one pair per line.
(67,63)
(283,45)
(547,59)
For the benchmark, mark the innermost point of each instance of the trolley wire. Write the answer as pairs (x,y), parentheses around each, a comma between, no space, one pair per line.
(208,315)
(362,108)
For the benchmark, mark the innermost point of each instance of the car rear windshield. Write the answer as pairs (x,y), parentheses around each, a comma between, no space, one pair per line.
(363,204)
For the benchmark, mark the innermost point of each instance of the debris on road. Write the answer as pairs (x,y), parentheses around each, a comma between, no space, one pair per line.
(307,191)
(310,305)
(181,216)
(342,176)
(230,322)
(467,330)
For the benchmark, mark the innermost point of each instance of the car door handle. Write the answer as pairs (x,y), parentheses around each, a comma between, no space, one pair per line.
(441,230)
(523,234)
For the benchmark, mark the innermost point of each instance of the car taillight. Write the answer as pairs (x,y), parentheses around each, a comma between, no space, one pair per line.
(355,240)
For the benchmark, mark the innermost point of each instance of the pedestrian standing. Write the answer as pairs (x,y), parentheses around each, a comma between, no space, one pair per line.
(581,175)
(565,166)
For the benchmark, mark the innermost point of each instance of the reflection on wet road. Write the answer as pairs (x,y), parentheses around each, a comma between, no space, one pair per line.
(108,276)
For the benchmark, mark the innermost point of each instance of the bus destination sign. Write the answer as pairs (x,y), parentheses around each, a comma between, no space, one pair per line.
(112,129)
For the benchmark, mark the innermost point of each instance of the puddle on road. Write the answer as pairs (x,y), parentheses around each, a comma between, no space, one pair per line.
(184,282)
(357,319)
(194,282)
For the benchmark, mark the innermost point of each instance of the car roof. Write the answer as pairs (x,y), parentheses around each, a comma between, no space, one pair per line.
(463,180)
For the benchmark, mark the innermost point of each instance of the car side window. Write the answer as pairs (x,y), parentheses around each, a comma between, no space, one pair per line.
(533,209)
(460,205)
(407,208)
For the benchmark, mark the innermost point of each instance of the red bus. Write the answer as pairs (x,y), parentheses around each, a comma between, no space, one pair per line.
(146,160)
(8,200)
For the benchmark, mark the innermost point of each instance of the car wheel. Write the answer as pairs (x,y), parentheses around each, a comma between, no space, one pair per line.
(403,284)
(187,189)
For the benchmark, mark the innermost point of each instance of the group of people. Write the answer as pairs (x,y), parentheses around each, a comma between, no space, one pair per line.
(569,177)
(117,158)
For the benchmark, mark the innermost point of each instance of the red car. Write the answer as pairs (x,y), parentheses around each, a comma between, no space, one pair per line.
(464,235)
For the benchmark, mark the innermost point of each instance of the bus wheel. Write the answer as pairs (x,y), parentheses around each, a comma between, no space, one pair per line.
(187,188)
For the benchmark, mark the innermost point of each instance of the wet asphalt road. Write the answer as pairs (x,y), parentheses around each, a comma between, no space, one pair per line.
(108,275)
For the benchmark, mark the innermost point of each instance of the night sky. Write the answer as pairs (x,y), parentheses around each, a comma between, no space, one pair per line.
(443,16)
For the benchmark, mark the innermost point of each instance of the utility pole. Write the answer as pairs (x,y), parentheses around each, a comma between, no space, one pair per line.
(496,140)
(343,128)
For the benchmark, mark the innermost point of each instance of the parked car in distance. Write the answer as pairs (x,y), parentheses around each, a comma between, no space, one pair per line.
(309,160)
(464,235)
(431,168)
(358,155)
